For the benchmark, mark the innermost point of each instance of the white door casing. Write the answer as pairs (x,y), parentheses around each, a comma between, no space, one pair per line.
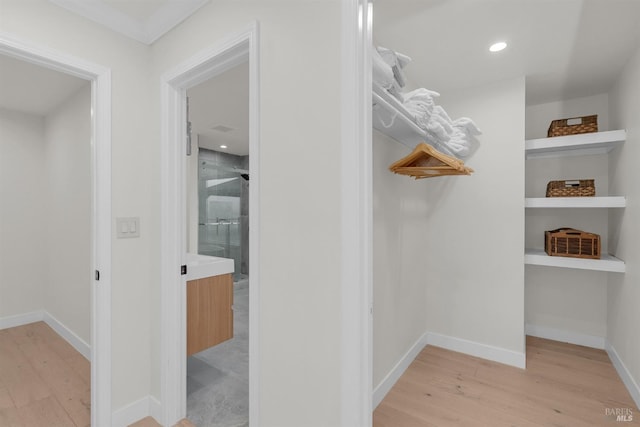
(229,52)
(357,215)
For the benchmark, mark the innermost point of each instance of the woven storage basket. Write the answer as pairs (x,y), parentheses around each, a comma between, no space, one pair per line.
(571,188)
(584,124)
(569,242)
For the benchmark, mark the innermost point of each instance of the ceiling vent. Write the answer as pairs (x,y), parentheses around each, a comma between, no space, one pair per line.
(222,128)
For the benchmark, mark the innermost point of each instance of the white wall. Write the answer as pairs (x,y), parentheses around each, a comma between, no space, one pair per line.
(572,301)
(474,249)
(67,213)
(400,272)
(623,292)
(299,373)
(540,116)
(135,188)
(46,214)
(300,265)
(22,213)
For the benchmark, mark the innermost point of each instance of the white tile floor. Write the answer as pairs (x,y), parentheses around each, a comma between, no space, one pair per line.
(218,378)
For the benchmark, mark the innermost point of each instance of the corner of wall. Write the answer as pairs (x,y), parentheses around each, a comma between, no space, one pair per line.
(147,406)
(399,278)
(625,375)
(384,386)
(623,341)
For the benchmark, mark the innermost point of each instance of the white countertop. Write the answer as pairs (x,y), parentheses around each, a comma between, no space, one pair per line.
(199,266)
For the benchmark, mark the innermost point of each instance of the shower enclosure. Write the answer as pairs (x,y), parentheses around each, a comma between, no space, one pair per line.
(223,217)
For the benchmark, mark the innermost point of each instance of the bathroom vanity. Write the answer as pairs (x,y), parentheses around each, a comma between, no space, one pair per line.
(209,301)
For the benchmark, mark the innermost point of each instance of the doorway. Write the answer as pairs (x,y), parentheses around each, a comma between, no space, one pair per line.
(90,335)
(239,49)
(218,190)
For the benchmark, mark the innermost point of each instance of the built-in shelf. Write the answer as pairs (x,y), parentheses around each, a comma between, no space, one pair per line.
(392,121)
(607,262)
(390,117)
(576,202)
(574,145)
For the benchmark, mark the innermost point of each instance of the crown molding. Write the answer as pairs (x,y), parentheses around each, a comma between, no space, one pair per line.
(147,31)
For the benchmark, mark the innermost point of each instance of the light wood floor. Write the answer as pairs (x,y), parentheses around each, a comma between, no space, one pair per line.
(43,380)
(563,385)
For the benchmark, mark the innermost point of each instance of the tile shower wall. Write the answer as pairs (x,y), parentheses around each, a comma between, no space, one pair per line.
(224,208)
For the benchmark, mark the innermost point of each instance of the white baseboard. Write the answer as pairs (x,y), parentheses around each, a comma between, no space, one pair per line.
(43,316)
(129,414)
(624,373)
(21,319)
(76,342)
(565,336)
(394,375)
(484,351)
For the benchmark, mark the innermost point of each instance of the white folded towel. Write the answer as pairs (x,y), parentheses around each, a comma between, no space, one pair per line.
(468,125)
(397,61)
(436,128)
(382,74)
(394,58)
(440,116)
(455,137)
(420,102)
(421,94)
(419,109)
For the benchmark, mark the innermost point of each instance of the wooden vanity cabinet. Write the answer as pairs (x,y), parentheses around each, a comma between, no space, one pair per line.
(209,312)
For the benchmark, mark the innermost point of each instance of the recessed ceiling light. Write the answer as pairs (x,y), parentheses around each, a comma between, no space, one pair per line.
(497,47)
(223,146)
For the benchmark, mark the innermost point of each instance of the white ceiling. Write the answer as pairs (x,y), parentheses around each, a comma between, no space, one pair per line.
(222,101)
(565,48)
(32,89)
(142,20)
(137,9)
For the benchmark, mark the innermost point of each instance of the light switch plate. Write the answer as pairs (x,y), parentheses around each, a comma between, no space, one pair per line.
(127,228)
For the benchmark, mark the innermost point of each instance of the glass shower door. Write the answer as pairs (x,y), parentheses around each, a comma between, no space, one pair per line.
(221,228)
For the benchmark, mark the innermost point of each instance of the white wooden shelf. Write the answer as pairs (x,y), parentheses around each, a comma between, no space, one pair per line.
(576,202)
(607,262)
(574,145)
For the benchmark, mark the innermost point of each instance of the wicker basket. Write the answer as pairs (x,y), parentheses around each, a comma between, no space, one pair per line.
(571,188)
(568,242)
(584,124)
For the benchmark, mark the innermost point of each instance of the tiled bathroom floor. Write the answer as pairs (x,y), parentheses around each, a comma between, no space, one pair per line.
(218,378)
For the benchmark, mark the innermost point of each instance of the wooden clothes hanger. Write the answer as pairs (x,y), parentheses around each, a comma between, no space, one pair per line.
(427,162)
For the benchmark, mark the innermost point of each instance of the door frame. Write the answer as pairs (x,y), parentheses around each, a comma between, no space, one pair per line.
(357,215)
(100,78)
(230,51)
